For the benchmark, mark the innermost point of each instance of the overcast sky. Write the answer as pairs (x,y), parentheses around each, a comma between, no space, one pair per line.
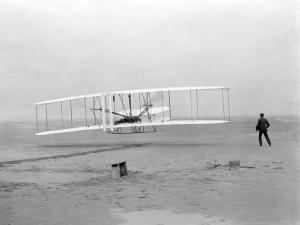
(58,48)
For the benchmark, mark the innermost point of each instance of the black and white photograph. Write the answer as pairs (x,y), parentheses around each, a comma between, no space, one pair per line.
(127,112)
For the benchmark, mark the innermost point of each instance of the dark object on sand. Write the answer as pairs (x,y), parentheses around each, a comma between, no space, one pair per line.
(231,164)
(247,167)
(118,170)
(234,164)
(213,165)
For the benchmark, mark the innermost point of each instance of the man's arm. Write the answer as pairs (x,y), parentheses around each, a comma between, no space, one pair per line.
(257,126)
(267,122)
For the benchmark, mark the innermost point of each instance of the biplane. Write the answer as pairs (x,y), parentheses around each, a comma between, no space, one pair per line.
(134,111)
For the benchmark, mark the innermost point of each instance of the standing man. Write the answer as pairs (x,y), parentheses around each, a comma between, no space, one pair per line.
(262,127)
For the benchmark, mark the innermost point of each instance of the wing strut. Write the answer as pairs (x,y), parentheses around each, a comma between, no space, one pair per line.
(197,103)
(46,116)
(71,113)
(169,94)
(140,103)
(223,105)
(228,104)
(86,123)
(130,109)
(124,108)
(61,115)
(162,105)
(190,102)
(147,104)
(99,100)
(36,118)
(94,113)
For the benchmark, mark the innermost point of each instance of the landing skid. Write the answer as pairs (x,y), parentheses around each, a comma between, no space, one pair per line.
(134,130)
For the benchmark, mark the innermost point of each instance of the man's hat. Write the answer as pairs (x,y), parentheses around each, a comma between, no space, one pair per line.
(261,114)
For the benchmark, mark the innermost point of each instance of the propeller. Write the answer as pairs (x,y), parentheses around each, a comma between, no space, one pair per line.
(144,111)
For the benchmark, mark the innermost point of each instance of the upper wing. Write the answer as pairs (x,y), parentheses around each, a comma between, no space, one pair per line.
(151,90)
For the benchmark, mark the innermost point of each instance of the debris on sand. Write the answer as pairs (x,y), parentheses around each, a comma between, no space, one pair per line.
(212,165)
(247,167)
(277,162)
(234,165)
(218,165)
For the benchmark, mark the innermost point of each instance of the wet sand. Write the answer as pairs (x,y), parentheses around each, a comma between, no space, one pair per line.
(171,180)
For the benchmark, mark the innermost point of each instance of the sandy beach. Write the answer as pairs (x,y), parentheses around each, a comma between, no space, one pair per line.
(74,75)
(66,179)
